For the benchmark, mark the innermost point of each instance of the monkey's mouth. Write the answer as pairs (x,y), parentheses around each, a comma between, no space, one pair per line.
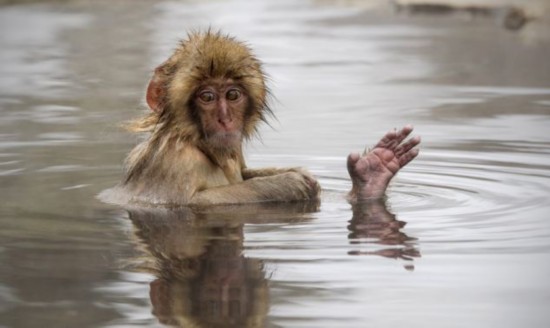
(226,139)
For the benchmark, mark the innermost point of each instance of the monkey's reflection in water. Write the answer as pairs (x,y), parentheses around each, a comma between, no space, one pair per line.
(373,224)
(203,278)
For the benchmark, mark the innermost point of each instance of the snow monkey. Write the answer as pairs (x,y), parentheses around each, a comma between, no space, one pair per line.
(206,100)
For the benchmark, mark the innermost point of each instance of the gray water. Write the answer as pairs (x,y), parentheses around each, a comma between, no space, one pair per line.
(462,241)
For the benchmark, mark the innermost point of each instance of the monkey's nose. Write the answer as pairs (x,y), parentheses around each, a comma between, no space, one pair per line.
(224,116)
(225,122)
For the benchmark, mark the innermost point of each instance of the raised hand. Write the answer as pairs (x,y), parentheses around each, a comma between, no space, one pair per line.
(372,171)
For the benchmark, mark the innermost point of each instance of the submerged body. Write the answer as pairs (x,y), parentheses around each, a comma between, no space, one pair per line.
(205,100)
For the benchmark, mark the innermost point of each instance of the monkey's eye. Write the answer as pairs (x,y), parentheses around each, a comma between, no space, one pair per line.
(207,96)
(233,94)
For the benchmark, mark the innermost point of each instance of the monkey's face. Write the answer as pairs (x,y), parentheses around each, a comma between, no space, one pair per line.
(221,105)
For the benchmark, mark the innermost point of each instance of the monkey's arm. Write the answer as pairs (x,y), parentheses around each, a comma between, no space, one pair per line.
(248,173)
(284,187)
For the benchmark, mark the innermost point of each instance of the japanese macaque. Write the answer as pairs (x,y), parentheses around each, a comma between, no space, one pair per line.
(205,100)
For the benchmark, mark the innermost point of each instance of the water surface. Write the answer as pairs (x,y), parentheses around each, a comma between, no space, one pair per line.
(463,240)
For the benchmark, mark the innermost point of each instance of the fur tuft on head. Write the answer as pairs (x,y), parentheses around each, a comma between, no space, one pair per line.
(203,56)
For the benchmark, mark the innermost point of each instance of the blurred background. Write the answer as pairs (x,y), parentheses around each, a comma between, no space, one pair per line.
(462,241)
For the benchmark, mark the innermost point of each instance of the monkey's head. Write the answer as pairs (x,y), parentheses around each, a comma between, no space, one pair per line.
(211,90)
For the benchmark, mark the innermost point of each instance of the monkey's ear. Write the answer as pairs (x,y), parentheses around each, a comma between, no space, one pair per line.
(155,92)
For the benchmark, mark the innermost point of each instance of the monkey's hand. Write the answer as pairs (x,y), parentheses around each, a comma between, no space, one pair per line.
(297,185)
(270,172)
(372,171)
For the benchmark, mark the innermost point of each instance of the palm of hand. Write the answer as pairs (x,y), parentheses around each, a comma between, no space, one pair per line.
(379,162)
(372,171)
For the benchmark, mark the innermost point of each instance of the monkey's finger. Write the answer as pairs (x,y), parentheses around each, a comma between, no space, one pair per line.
(387,140)
(403,133)
(410,144)
(352,160)
(400,136)
(393,138)
(408,156)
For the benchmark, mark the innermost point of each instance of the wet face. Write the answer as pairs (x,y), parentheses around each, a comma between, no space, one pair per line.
(221,106)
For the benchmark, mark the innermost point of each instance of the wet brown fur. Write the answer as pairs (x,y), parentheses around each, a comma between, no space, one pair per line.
(175,164)
(205,56)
